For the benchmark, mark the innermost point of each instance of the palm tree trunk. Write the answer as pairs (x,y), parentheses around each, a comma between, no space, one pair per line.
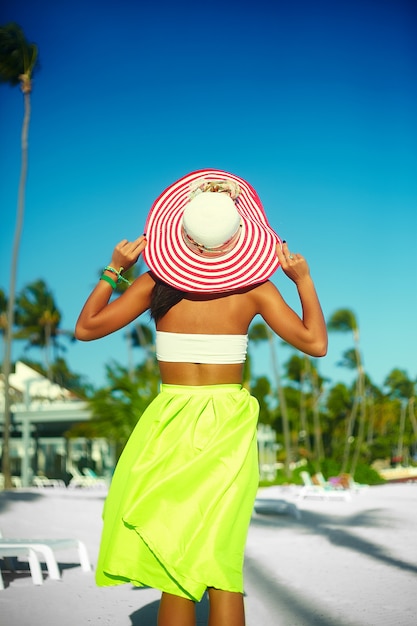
(283,406)
(303,414)
(371,422)
(349,433)
(359,401)
(412,417)
(361,434)
(400,447)
(47,352)
(318,440)
(6,470)
(130,367)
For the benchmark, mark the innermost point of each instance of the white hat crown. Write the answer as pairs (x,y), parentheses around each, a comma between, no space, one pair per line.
(211,219)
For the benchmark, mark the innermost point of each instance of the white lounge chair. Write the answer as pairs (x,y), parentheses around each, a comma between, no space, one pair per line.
(87,479)
(322,482)
(43,482)
(46,548)
(357,487)
(8,553)
(310,490)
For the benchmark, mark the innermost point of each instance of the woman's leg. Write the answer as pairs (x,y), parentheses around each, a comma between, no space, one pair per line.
(176,611)
(226,608)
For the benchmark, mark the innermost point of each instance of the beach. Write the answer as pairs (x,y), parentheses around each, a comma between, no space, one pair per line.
(308,562)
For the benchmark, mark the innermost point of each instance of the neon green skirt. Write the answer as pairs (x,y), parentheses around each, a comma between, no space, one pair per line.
(180,502)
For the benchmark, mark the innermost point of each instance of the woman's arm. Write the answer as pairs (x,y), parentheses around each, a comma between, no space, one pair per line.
(309,333)
(99,317)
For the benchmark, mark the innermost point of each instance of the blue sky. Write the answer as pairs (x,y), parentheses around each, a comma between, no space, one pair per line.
(313,103)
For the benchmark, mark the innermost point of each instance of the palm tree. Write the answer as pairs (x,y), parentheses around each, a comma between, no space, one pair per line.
(38,319)
(338,409)
(344,320)
(140,336)
(316,386)
(18,59)
(118,406)
(402,388)
(261,332)
(297,371)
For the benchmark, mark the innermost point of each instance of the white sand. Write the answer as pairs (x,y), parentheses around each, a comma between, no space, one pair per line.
(342,564)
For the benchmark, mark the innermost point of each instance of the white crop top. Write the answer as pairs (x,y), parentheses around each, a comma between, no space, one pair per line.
(196,348)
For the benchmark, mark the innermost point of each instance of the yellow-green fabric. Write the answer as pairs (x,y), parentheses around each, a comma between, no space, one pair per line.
(179,505)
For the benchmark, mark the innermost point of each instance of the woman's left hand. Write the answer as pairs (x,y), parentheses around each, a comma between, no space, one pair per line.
(293,265)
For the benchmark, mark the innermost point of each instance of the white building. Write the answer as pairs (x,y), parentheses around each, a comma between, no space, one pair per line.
(41,414)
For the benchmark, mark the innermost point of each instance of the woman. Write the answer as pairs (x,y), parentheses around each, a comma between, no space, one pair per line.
(180,502)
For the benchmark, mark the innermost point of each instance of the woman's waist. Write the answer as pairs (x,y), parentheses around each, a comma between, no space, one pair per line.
(201,374)
(201,389)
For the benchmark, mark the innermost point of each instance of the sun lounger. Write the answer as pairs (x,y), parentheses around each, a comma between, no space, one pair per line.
(357,487)
(345,481)
(88,479)
(319,479)
(310,490)
(16,482)
(7,553)
(46,548)
(43,482)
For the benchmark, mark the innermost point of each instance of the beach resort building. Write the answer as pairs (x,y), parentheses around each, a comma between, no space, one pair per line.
(41,452)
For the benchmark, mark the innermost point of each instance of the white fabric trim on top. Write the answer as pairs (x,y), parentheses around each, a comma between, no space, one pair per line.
(200,348)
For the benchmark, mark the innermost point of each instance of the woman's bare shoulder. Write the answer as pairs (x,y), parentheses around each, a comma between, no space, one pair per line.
(144,281)
(140,291)
(263,290)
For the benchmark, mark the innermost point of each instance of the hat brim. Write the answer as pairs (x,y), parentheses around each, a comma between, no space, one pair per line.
(253,259)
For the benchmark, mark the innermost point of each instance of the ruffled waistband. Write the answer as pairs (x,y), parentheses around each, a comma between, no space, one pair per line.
(201,389)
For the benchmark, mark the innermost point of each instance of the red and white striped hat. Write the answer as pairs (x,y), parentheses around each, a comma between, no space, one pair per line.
(210,242)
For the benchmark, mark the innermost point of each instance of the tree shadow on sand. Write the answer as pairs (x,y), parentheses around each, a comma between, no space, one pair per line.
(337,531)
(8,497)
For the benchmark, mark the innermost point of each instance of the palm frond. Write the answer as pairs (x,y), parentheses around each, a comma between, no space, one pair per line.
(18,57)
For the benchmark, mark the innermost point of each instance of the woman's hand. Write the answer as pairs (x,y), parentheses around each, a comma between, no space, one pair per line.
(307,333)
(126,253)
(293,265)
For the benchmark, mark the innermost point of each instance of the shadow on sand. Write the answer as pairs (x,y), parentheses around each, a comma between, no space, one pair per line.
(8,497)
(340,532)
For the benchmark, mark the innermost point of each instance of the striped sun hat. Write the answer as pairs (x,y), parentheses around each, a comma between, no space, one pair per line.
(208,232)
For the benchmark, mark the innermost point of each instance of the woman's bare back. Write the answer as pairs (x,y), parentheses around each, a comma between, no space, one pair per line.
(216,314)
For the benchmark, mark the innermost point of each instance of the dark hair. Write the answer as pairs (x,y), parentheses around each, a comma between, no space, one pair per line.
(163,298)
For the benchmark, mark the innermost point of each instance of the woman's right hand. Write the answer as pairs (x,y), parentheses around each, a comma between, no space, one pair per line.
(126,253)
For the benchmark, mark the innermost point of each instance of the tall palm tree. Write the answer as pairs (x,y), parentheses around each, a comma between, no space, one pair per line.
(18,60)
(261,332)
(140,335)
(316,383)
(413,421)
(403,389)
(349,361)
(344,320)
(297,368)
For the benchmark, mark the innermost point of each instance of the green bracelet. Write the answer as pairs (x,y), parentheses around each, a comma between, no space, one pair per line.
(120,278)
(109,280)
